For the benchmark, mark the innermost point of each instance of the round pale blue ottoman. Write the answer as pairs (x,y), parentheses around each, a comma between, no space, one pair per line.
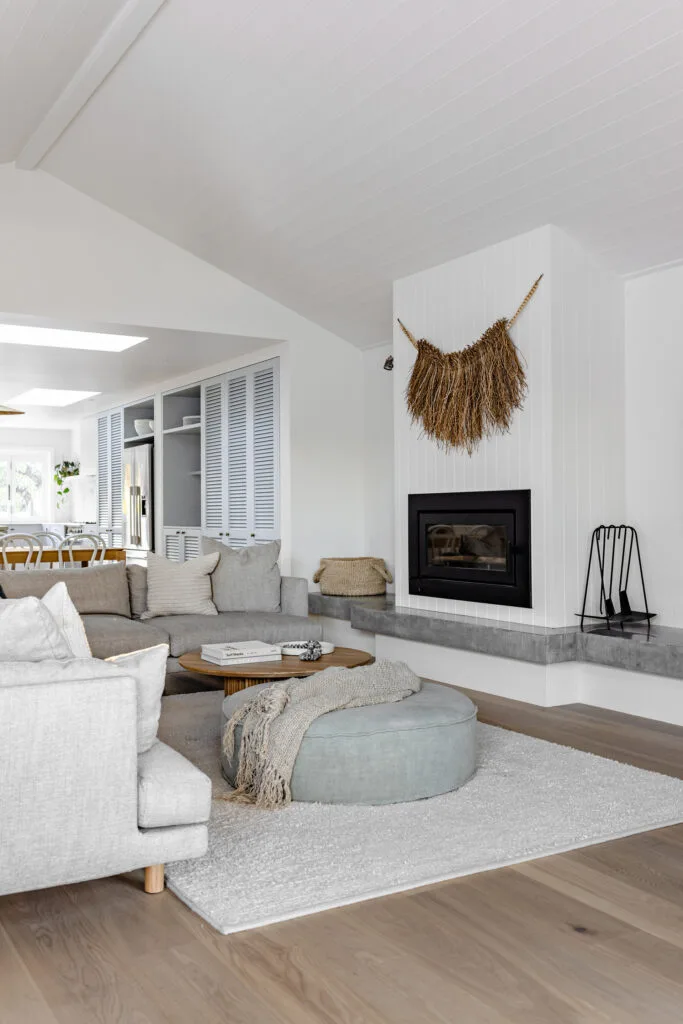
(382,754)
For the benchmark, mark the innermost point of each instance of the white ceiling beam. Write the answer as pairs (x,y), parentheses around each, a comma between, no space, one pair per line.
(124,29)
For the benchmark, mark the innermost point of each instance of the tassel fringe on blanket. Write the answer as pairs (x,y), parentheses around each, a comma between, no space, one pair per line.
(462,397)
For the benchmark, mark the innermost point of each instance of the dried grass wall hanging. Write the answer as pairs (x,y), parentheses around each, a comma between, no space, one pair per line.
(462,397)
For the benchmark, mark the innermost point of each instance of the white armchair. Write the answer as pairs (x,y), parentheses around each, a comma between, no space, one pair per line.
(76,800)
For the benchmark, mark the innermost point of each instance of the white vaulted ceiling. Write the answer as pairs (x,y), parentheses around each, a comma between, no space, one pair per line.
(42,45)
(319,150)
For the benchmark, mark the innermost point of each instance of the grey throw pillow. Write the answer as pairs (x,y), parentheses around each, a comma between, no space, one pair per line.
(245,579)
(179,588)
(99,590)
(137,586)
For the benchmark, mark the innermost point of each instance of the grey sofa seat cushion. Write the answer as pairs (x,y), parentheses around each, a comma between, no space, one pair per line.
(188,632)
(102,590)
(171,791)
(245,579)
(114,634)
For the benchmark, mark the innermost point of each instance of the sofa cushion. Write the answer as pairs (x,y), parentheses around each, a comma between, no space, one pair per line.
(137,587)
(188,632)
(109,635)
(100,590)
(179,588)
(171,791)
(245,579)
(148,669)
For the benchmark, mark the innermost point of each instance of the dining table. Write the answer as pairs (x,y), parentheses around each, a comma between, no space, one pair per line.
(50,557)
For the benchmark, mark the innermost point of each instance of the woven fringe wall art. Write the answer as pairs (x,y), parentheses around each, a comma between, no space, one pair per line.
(462,397)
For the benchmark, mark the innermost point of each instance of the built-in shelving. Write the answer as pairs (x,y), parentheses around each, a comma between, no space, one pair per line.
(134,438)
(188,429)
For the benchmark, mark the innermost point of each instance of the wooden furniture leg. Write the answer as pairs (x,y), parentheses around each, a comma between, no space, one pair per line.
(154,878)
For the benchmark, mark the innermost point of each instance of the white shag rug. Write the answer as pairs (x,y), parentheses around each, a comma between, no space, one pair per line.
(528,799)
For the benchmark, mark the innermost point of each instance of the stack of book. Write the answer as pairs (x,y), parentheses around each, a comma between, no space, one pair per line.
(241,653)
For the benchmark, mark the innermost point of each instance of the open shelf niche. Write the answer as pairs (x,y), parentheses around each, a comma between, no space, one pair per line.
(143,410)
(182,458)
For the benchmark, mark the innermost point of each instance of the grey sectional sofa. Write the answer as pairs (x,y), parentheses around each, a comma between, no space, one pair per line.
(111,598)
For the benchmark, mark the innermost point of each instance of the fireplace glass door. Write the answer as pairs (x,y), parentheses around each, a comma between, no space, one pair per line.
(474,546)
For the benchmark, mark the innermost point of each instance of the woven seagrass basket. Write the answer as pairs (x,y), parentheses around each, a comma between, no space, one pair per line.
(352,577)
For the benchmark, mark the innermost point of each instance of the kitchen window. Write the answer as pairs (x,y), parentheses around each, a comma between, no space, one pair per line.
(25,484)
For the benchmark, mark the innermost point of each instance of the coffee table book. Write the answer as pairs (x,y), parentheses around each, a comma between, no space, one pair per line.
(240,653)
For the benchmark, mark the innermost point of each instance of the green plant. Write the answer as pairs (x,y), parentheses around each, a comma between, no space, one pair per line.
(63,472)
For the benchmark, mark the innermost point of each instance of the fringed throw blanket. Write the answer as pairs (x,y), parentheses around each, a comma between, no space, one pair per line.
(275,721)
(462,397)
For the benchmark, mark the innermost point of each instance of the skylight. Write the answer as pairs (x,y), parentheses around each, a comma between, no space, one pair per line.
(52,396)
(50,337)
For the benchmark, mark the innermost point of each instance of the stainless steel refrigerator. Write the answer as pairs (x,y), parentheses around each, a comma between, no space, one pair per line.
(138,502)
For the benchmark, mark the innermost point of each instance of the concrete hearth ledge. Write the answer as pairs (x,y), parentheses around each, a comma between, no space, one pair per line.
(659,653)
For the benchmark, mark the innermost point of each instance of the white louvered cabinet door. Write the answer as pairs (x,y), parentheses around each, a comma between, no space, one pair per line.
(191,544)
(173,544)
(213,456)
(116,473)
(238,506)
(265,454)
(103,464)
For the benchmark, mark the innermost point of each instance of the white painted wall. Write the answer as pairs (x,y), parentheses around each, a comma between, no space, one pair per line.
(378,455)
(568,335)
(68,257)
(654,434)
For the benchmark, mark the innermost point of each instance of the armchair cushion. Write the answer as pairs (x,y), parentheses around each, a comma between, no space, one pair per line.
(28,632)
(148,669)
(171,791)
(63,611)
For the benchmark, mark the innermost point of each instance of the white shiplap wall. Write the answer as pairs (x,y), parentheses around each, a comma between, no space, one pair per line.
(568,337)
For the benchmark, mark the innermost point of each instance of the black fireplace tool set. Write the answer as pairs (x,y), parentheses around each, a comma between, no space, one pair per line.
(613,548)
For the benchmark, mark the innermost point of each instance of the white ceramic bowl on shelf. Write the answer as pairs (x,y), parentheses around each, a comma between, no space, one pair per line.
(141,427)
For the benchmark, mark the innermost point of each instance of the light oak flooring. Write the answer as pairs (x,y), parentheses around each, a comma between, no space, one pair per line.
(591,936)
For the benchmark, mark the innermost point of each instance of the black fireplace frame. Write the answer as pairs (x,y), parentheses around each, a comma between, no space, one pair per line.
(467,584)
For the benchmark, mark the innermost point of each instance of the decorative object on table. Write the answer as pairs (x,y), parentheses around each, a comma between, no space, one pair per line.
(352,577)
(388,363)
(6,411)
(613,548)
(275,720)
(296,647)
(142,427)
(191,421)
(65,471)
(462,397)
(312,652)
(243,652)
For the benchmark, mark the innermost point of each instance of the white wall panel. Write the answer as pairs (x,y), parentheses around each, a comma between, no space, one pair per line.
(568,336)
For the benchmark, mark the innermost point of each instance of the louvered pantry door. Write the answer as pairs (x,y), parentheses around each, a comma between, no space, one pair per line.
(173,545)
(116,476)
(265,454)
(103,464)
(238,504)
(213,456)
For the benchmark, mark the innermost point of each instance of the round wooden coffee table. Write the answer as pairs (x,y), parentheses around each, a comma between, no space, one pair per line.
(239,677)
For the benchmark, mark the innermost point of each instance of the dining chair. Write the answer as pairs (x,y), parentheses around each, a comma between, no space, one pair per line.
(25,542)
(82,540)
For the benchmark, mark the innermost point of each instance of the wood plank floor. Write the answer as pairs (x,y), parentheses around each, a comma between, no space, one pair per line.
(591,936)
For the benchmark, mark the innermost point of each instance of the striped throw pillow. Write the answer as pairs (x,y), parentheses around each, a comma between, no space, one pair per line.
(179,588)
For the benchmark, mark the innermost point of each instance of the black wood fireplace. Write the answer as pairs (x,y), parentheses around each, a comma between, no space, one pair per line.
(472,545)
